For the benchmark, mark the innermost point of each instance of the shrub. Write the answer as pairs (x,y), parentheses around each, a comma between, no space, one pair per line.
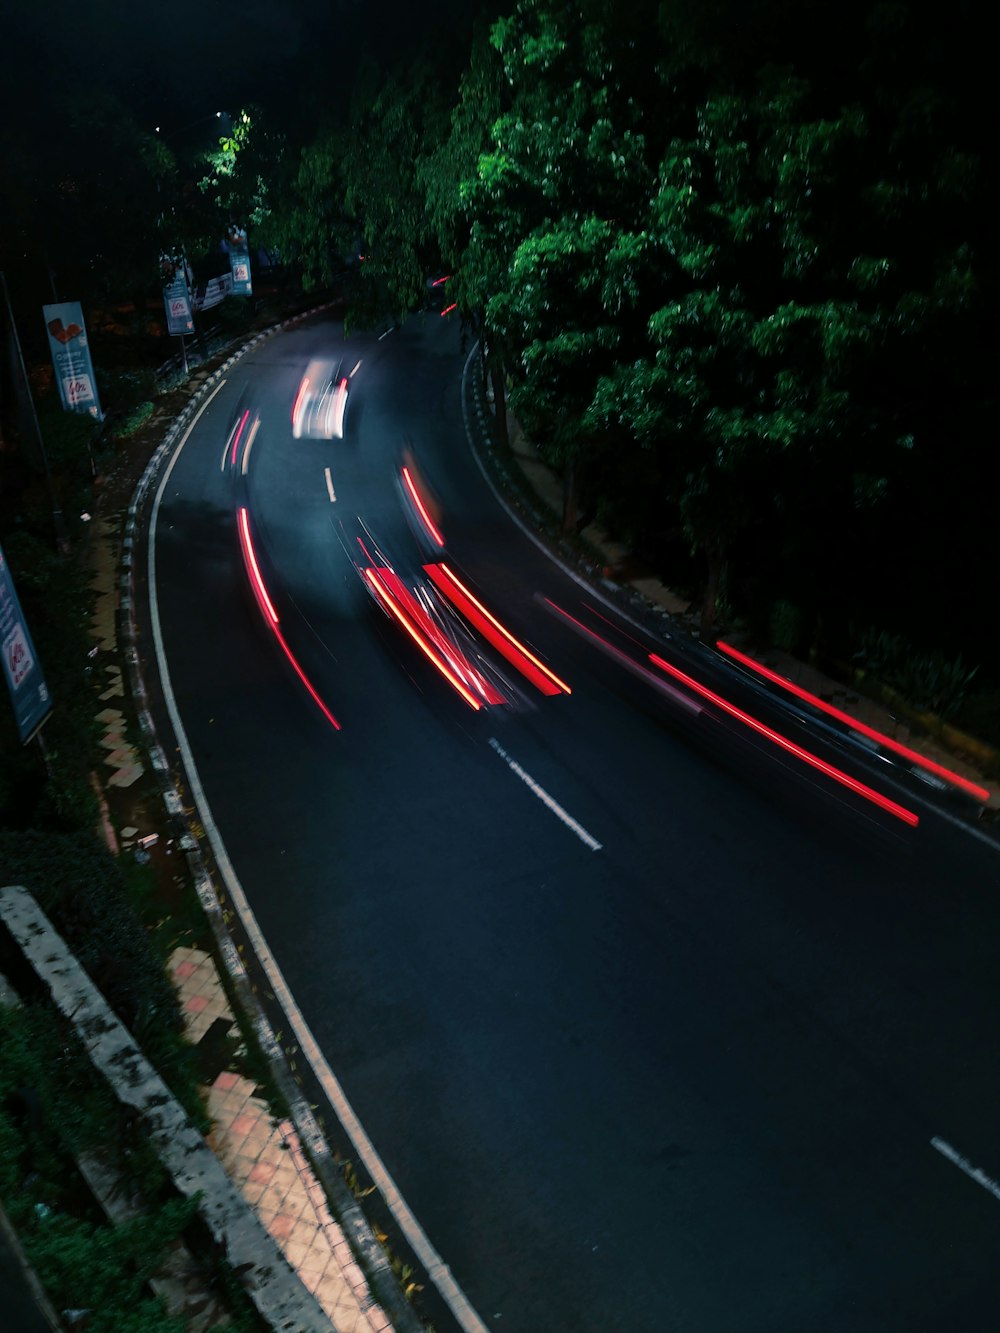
(123,390)
(133,421)
(787,628)
(79,885)
(107,1269)
(926,680)
(67,435)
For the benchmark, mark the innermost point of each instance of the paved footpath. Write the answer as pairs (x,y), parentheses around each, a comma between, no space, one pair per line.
(264,1159)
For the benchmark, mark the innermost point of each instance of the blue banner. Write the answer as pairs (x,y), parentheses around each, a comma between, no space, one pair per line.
(71,357)
(28,692)
(239,261)
(176,296)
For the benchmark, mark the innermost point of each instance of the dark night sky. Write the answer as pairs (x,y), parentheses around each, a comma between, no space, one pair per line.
(180,61)
(196,56)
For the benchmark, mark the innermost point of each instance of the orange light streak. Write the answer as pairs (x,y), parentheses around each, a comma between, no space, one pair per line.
(421,509)
(515,652)
(393,607)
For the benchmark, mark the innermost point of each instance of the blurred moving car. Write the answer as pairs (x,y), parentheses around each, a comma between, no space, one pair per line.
(321,403)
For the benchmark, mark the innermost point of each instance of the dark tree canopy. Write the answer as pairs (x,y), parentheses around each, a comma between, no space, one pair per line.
(731,262)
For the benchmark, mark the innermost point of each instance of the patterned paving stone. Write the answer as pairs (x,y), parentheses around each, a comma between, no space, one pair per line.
(266,1162)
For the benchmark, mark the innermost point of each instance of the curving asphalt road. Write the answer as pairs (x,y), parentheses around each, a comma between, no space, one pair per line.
(702,1076)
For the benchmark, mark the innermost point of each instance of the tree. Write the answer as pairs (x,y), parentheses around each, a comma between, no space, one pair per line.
(245,171)
(566,160)
(392,129)
(309,225)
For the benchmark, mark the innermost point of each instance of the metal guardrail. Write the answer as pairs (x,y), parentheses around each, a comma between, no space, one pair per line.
(202,347)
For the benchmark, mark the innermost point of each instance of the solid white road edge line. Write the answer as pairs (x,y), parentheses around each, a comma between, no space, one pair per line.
(437,1270)
(546,799)
(329,485)
(963,1164)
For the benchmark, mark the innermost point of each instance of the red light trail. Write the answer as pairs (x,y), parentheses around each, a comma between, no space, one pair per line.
(973,789)
(899,811)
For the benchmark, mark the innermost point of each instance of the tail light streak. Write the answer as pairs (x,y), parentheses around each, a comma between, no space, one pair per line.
(296,406)
(501,638)
(253,569)
(236,436)
(271,616)
(972,788)
(432,530)
(899,811)
(376,580)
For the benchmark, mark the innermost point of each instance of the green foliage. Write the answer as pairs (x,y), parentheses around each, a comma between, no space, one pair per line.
(703,271)
(133,420)
(928,681)
(445,172)
(787,626)
(309,225)
(79,885)
(106,1269)
(66,436)
(392,129)
(82,1262)
(243,172)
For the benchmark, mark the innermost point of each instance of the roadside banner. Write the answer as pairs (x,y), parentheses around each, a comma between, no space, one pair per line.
(239,261)
(213,292)
(176,296)
(28,692)
(71,357)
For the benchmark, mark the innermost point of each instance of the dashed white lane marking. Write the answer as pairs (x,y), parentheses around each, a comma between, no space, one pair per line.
(963,1164)
(586,838)
(329,485)
(384,335)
